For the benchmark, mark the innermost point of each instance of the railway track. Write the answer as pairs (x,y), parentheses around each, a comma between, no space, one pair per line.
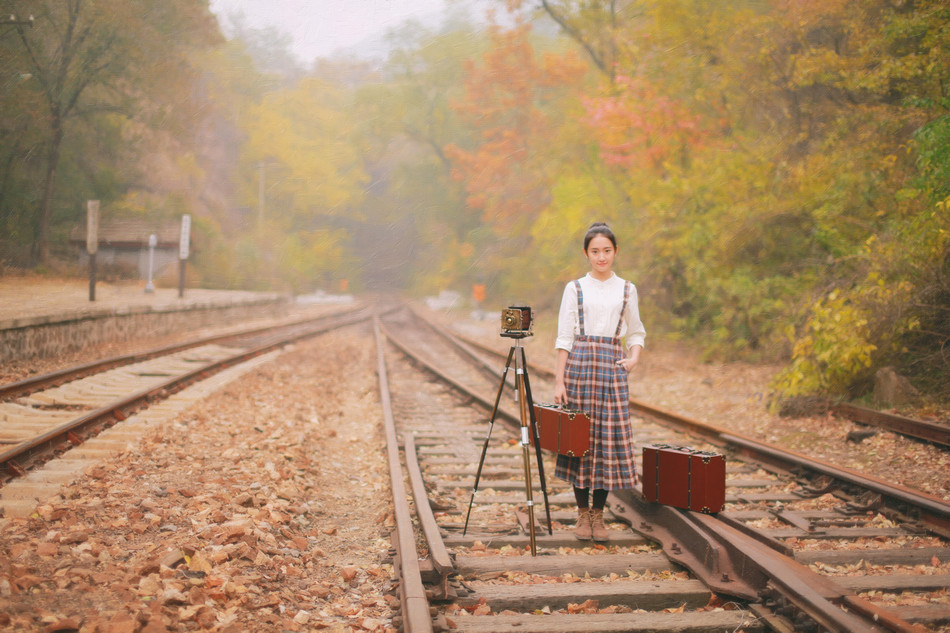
(938,433)
(45,416)
(800,545)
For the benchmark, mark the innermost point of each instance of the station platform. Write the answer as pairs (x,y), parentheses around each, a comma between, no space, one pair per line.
(34,300)
(40,317)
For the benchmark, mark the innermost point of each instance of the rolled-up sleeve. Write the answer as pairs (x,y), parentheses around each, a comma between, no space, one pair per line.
(567,319)
(636,334)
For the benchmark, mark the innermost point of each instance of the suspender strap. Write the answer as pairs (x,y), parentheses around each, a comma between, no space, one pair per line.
(626,296)
(580,304)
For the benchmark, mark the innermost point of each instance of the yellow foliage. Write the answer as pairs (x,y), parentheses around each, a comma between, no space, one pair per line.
(301,138)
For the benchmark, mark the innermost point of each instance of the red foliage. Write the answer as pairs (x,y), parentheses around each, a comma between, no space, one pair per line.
(505,99)
(639,126)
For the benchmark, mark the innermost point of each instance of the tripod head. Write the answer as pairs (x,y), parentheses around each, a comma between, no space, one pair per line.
(517,334)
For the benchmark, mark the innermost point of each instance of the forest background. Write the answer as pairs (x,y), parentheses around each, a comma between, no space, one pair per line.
(777,171)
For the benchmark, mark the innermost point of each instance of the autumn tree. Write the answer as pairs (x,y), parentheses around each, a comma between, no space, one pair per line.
(84,61)
(20,139)
(599,27)
(884,218)
(304,177)
(518,100)
(769,156)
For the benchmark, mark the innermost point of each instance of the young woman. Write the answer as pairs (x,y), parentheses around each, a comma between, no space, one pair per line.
(599,339)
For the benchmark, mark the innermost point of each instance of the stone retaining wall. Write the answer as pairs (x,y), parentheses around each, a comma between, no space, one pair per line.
(43,337)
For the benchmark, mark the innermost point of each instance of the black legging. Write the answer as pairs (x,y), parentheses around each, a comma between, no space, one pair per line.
(582,495)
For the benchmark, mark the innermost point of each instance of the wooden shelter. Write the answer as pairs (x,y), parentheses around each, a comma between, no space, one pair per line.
(123,245)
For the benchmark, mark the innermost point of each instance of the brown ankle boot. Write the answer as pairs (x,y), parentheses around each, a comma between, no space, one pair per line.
(598,530)
(582,530)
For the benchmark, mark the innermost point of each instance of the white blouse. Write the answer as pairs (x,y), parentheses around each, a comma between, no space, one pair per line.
(602,303)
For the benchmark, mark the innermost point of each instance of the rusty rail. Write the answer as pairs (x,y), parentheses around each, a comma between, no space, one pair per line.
(734,562)
(932,511)
(415,605)
(13,461)
(920,429)
(61,376)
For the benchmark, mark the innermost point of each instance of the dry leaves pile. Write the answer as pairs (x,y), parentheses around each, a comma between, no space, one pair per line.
(478,548)
(525,578)
(263,508)
(588,607)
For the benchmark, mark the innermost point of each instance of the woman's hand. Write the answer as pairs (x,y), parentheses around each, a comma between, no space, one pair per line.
(631,361)
(560,393)
(628,364)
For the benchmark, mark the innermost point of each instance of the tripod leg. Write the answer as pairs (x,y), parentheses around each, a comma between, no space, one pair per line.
(537,441)
(491,425)
(526,451)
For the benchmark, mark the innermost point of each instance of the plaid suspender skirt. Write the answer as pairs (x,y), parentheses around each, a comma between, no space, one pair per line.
(597,385)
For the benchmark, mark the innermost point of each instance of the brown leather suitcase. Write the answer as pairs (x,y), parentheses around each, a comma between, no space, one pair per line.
(666,474)
(684,477)
(648,473)
(562,430)
(707,482)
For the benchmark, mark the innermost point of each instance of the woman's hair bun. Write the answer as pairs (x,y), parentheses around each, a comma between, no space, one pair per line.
(599,228)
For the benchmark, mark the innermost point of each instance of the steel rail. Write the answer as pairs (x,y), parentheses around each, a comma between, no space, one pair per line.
(467,348)
(441,560)
(738,564)
(10,460)
(733,562)
(55,378)
(438,554)
(416,617)
(920,429)
(823,599)
(934,512)
(432,369)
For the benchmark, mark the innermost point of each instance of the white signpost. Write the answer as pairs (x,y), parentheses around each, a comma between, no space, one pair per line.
(92,243)
(152,243)
(183,246)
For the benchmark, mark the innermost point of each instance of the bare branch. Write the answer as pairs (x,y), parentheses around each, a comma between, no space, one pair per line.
(578,37)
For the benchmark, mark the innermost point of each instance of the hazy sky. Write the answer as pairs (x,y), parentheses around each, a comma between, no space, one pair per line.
(320,27)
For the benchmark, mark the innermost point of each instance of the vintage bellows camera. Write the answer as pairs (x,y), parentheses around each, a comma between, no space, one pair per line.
(516,321)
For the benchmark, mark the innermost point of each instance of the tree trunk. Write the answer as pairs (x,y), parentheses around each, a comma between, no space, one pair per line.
(41,242)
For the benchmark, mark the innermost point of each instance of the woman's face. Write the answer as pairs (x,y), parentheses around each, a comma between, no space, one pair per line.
(600,253)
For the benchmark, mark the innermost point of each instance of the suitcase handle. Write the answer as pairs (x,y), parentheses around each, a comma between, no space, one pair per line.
(559,407)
